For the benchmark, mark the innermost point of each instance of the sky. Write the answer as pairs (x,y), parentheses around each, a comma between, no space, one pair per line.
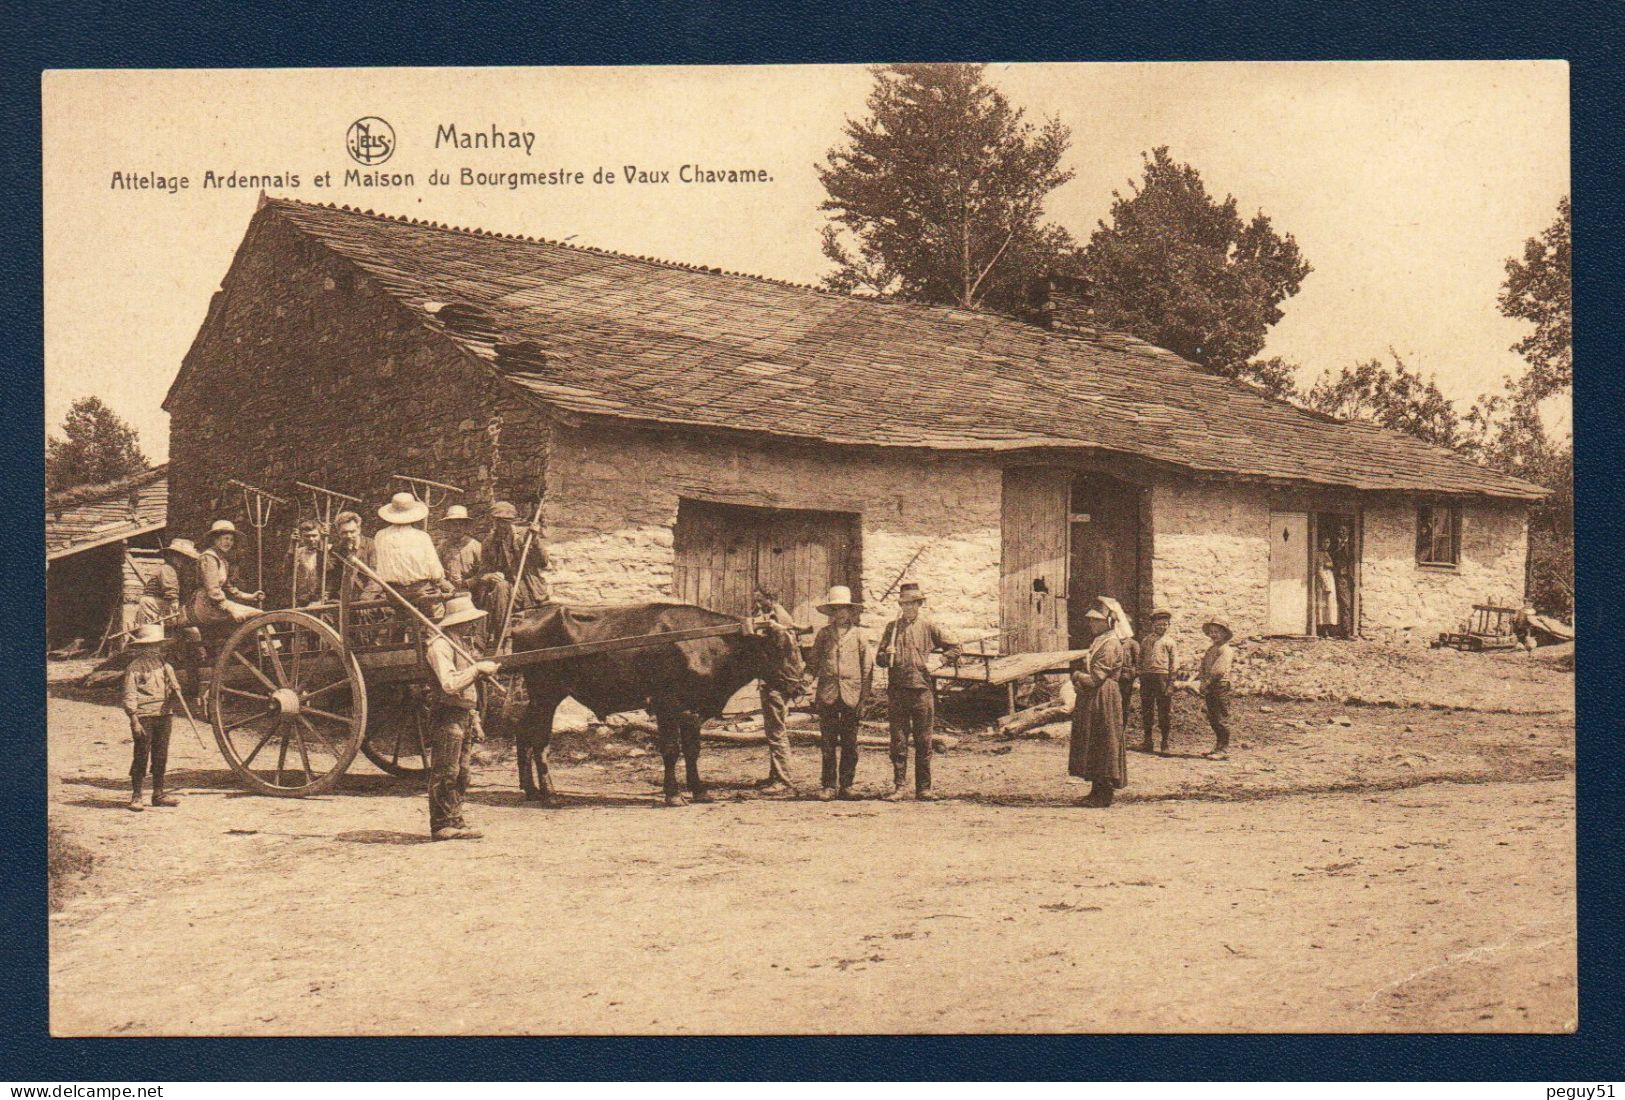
(1406,184)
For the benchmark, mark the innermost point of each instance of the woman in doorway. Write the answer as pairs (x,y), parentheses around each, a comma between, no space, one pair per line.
(1343,572)
(1326,619)
(1097,751)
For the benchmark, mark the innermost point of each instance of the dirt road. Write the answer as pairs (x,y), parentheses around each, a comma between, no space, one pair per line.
(1430,888)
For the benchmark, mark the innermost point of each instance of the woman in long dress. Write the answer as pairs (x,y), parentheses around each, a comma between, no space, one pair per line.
(1097,751)
(1325,590)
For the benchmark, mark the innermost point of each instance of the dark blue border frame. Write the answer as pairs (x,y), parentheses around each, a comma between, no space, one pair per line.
(212,34)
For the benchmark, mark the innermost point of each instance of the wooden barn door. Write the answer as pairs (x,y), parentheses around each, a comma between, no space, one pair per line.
(1033,570)
(1105,522)
(1289,573)
(725,551)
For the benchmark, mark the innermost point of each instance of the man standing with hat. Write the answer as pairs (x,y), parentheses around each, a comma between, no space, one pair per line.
(778,687)
(161,596)
(1158,662)
(1096,752)
(499,560)
(407,559)
(451,718)
(907,643)
(843,663)
(218,602)
(459,551)
(147,682)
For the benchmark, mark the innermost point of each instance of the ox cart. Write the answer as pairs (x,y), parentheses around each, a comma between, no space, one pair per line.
(294,694)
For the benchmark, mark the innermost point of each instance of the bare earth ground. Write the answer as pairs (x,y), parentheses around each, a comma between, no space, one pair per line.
(1412,870)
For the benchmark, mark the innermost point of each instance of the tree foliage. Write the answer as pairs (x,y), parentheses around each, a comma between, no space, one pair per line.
(938,195)
(1538,290)
(1394,396)
(1275,376)
(96,446)
(1180,270)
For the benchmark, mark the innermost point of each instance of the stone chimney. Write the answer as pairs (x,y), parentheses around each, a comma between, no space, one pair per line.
(1064,303)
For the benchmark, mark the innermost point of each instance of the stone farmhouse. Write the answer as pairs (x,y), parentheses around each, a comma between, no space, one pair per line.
(692,433)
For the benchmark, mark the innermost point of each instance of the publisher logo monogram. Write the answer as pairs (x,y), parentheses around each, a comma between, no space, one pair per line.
(371,140)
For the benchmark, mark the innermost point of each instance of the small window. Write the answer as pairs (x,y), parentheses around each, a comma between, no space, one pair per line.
(1438,534)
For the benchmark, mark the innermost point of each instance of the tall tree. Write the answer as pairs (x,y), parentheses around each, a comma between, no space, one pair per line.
(938,195)
(1538,290)
(1394,396)
(95,446)
(1178,269)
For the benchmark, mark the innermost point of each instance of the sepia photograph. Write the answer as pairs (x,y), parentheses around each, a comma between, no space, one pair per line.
(912,548)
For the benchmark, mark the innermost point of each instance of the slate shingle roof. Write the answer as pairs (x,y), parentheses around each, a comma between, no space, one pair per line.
(603,333)
(90,516)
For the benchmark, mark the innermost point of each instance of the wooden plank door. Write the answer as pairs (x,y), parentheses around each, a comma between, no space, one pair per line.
(723,552)
(1105,559)
(1033,562)
(1289,573)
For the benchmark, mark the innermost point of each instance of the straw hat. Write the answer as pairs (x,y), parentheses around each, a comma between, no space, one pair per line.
(910,593)
(1097,613)
(147,634)
(460,609)
(1224,626)
(403,508)
(455,512)
(839,596)
(1161,613)
(218,528)
(503,510)
(182,547)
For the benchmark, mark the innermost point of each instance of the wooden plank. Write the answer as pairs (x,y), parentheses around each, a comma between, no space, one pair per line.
(1034,547)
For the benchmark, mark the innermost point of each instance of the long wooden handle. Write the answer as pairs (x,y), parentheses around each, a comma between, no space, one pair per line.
(420,616)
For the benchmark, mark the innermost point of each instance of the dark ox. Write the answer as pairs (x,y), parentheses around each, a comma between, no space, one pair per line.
(683,684)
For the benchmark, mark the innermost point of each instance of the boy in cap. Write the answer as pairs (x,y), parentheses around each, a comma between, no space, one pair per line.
(452,717)
(843,663)
(908,641)
(1214,681)
(1157,662)
(148,680)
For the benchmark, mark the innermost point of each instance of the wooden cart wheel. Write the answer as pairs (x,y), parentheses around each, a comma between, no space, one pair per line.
(288,703)
(397,738)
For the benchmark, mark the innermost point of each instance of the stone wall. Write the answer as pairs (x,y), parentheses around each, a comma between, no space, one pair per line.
(1210,558)
(306,371)
(1402,600)
(612,495)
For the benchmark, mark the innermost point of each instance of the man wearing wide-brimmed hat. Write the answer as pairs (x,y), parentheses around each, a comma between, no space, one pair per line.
(147,682)
(905,646)
(218,602)
(406,557)
(162,593)
(459,551)
(843,662)
(450,720)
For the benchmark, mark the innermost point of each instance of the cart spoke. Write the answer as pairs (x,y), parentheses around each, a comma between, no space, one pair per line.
(270,733)
(304,754)
(258,675)
(268,643)
(229,726)
(327,714)
(282,753)
(337,750)
(258,698)
(309,695)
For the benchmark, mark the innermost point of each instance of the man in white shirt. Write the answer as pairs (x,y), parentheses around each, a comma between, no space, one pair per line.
(406,557)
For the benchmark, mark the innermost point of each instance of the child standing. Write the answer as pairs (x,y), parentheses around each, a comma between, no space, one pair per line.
(1214,678)
(1157,663)
(147,683)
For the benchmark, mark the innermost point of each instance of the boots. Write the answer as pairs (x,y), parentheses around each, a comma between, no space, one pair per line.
(135,796)
(159,798)
(899,787)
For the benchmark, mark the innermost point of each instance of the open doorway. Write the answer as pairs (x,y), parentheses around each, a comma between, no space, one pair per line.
(1104,548)
(1335,605)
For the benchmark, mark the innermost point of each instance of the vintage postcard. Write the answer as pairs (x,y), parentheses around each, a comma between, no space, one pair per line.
(835,549)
